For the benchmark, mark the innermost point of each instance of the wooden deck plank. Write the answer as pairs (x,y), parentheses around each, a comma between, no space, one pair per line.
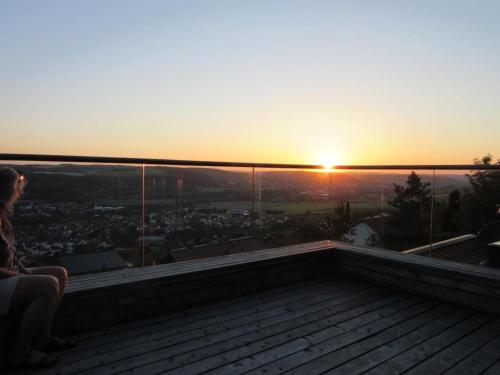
(247,301)
(479,361)
(314,352)
(200,317)
(337,326)
(226,324)
(228,319)
(459,350)
(493,370)
(367,361)
(329,359)
(225,338)
(283,334)
(409,361)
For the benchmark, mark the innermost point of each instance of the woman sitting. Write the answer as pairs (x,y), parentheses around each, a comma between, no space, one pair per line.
(30,295)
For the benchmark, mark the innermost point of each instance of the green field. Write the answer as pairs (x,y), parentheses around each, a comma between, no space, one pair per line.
(291,208)
(288,208)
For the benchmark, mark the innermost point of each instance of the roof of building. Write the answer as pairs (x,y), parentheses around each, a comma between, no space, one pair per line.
(89,263)
(360,234)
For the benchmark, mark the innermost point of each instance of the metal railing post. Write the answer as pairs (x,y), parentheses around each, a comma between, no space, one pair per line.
(143,215)
(253,202)
(382,202)
(431,224)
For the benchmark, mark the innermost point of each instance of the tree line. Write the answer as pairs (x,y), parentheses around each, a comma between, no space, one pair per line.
(464,211)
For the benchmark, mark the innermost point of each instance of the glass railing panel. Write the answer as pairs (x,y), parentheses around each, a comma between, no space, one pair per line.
(194,213)
(467,215)
(407,209)
(70,211)
(147,215)
(366,193)
(449,220)
(293,206)
(297,206)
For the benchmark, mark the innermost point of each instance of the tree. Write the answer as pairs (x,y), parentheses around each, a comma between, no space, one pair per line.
(413,199)
(453,213)
(339,221)
(480,203)
(410,225)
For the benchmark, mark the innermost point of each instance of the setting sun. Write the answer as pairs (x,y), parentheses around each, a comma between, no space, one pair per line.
(328,161)
(328,165)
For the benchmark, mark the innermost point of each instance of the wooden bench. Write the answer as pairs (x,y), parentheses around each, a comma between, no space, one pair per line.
(473,286)
(99,300)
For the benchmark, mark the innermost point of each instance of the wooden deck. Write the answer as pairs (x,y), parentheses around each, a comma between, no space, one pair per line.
(327,325)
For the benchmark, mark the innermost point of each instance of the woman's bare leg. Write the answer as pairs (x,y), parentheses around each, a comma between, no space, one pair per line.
(34,300)
(59,273)
(62,276)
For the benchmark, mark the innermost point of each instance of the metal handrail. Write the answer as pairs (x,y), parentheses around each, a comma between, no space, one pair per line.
(201,163)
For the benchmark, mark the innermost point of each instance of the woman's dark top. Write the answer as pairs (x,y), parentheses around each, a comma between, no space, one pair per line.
(5,254)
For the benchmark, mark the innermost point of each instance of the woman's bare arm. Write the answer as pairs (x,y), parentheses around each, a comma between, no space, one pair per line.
(23,269)
(5,273)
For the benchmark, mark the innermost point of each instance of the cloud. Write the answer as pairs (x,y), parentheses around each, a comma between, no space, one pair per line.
(454,95)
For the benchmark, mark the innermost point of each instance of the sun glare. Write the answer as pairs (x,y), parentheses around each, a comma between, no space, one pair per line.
(328,165)
(328,162)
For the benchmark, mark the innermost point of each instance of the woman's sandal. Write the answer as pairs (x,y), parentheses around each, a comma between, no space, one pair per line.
(58,344)
(36,360)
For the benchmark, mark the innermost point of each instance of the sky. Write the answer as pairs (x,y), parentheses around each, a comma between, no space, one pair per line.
(342,82)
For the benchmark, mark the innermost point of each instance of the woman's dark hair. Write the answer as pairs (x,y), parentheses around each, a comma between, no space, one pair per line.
(11,187)
(8,180)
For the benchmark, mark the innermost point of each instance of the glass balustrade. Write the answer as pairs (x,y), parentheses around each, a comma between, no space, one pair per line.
(194,213)
(129,215)
(407,209)
(69,211)
(466,207)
